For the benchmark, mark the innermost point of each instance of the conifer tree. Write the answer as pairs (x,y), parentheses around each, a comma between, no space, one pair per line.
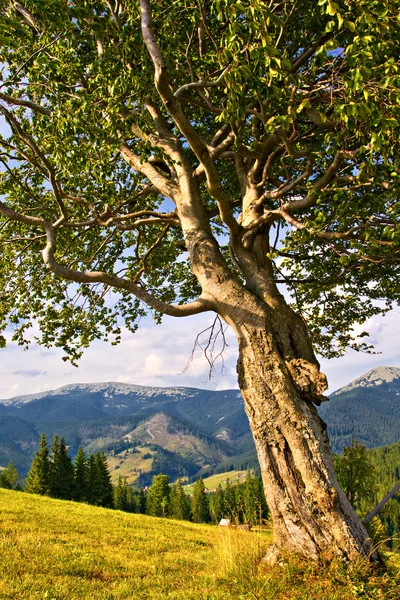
(93,481)
(142,502)
(250,499)
(131,500)
(230,500)
(262,507)
(355,473)
(81,476)
(62,471)
(120,495)
(239,503)
(38,480)
(106,490)
(158,496)
(200,506)
(179,505)
(54,463)
(217,504)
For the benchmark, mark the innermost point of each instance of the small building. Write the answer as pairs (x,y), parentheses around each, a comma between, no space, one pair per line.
(224,523)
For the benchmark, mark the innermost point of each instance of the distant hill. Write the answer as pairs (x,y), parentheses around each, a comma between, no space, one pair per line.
(186,430)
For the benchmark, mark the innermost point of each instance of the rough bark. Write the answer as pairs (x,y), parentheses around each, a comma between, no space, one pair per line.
(311,515)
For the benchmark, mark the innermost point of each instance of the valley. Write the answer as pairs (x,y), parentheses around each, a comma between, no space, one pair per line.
(183,432)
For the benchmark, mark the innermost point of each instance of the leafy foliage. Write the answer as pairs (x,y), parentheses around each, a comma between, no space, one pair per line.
(355,474)
(9,477)
(306,98)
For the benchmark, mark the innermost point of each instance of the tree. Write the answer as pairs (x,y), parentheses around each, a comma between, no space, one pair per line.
(217,504)
(9,477)
(105,490)
(62,471)
(38,480)
(142,502)
(81,476)
(201,171)
(231,509)
(200,507)
(179,503)
(120,495)
(158,496)
(93,480)
(251,512)
(62,485)
(356,474)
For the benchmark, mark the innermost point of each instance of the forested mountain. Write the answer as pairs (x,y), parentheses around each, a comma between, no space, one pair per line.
(194,430)
(368,410)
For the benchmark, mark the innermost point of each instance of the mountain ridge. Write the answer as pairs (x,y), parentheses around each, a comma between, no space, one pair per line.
(99,415)
(371,378)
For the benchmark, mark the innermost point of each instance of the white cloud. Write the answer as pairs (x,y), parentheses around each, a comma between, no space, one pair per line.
(157,355)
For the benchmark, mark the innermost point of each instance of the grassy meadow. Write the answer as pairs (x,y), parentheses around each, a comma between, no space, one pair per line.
(129,465)
(59,550)
(213,481)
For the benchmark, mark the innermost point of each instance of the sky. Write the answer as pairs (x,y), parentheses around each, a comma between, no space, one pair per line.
(157,355)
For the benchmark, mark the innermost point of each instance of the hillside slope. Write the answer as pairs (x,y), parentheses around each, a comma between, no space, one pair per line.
(58,550)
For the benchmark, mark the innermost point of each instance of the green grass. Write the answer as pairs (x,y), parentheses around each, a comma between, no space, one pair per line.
(130,465)
(50,549)
(214,481)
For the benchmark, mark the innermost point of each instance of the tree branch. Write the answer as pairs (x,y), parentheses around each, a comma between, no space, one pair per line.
(202,304)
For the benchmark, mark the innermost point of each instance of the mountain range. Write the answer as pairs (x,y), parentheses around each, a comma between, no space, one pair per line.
(181,431)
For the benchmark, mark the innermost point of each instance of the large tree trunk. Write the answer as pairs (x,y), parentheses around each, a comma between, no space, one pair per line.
(310,513)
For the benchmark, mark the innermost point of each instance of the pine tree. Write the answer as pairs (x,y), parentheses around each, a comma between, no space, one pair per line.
(38,480)
(250,499)
(131,500)
(106,490)
(262,507)
(217,504)
(62,471)
(158,496)
(120,495)
(54,462)
(142,502)
(179,505)
(230,500)
(200,506)
(80,476)
(93,481)
(355,473)
(239,502)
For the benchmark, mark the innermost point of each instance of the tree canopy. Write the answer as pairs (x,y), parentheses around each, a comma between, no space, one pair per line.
(286,115)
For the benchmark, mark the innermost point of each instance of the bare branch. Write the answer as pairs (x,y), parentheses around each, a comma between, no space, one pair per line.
(208,346)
